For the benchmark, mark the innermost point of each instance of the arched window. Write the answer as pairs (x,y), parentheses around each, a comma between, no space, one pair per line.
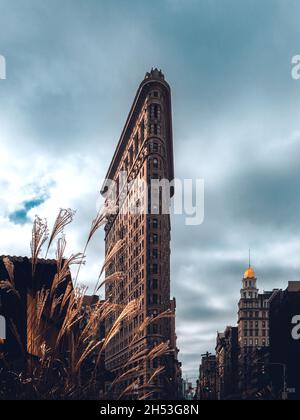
(155,163)
(2,329)
(154,112)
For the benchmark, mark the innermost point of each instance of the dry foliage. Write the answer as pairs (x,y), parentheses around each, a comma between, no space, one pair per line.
(72,365)
(64,218)
(10,269)
(40,235)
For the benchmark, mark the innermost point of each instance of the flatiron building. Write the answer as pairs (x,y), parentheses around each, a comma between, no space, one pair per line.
(144,153)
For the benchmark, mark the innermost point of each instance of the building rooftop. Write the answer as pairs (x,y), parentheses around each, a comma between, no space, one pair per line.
(90,300)
(152,78)
(16,259)
(155,74)
(294,286)
(46,269)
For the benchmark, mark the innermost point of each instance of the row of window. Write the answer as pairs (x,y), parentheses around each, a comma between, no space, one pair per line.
(250,283)
(255,333)
(134,149)
(254,314)
(154,299)
(154,112)
(251,324)
(256,342)
(250,295)
(256,304)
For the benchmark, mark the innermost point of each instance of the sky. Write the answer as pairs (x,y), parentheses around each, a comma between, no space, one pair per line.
(73,67)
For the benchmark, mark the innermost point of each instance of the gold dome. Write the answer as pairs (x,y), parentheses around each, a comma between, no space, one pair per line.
(249,274)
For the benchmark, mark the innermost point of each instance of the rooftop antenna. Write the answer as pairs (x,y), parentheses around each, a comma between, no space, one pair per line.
(249,257)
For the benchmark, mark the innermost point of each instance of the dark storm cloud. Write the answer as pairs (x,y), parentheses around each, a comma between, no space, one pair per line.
(72,70)
(199,308)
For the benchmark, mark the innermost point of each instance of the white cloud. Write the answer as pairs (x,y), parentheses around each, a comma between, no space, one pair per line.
(66,182)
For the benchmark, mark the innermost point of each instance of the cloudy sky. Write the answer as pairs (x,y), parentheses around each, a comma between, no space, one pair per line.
(73,67)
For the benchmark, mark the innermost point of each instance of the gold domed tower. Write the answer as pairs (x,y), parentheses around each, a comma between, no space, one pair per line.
(249,289)
(253,325)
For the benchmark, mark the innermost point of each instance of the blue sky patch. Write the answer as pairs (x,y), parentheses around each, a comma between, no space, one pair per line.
(20,216)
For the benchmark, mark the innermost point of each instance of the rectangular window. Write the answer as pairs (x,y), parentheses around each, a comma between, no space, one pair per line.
(155,269)
(130,155)
(155,253)
(136,143)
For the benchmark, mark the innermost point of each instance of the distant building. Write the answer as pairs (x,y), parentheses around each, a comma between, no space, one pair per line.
(208,377)
(175,365)
(253,331)
(253,315)
(220,366)
(285,342)
(26,327)
(258,360)
(88,304)
(188,390)
(227,364)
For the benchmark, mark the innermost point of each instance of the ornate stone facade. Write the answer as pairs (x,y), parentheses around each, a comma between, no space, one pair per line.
(253,318)
(144,153)
(253,330)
